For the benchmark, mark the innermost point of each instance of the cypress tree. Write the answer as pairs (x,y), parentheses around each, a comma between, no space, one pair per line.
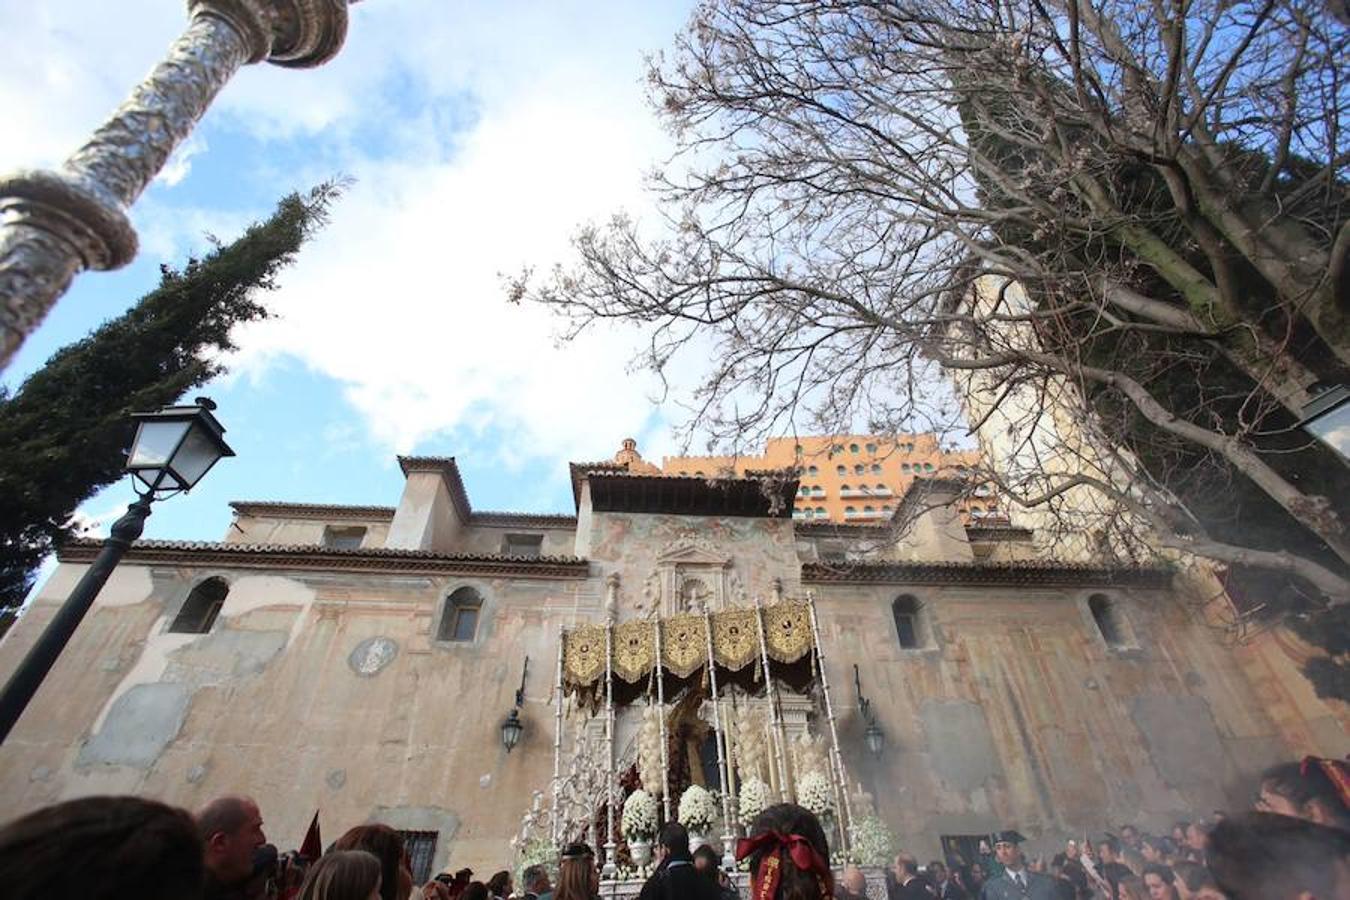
(65,432)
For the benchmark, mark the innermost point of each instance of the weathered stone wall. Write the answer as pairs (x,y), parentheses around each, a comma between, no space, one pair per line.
(312,691)
(299,532)
(491,539)
(1017,713)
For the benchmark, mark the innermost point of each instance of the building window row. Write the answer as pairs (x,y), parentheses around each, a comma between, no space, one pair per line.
(913,628)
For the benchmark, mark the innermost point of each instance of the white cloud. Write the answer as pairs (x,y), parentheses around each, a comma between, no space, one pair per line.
(180,163)
(400,297)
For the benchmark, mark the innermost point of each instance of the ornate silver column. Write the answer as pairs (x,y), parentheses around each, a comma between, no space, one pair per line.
(554,824)
(54,225)
(659,674)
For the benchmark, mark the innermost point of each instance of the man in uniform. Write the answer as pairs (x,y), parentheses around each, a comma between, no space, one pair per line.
(1017,882)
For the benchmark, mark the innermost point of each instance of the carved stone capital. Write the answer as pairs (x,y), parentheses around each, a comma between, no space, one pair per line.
(297,34)
(307,33)
(86,217)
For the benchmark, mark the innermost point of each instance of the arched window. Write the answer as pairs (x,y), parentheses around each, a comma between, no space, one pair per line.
(812,470)
(808,512)
(850,509)
(859,469)
(818,491)
(459,622)
(841,470)
(928,467)
(844,487)
(837,448)
(888,508)
(868,509)
(871,448)
(876,468)
(820,511)
(201,607)
(803,490)
(908,613)
(1110,621)
(904,467)
(880,486)
(852,448)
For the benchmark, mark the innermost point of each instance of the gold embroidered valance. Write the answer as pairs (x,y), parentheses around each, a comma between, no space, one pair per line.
(684,644)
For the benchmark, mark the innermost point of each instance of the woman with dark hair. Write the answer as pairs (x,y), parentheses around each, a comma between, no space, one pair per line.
(343,875)
(789,857)
(1314,789)
(102,848)
(578,879)
(385,844)
(499,885)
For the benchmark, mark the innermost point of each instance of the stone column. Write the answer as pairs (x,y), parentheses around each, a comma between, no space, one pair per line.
(54,225)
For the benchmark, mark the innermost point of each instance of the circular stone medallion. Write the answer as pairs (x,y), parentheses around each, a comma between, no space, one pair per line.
(372,655)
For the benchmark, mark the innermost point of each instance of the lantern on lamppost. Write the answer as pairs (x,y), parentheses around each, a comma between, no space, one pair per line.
(873,736)
(1327,417)
(512,727)
(55,224)
(172,450)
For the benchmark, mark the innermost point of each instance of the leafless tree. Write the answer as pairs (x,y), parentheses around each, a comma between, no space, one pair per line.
(1134,213)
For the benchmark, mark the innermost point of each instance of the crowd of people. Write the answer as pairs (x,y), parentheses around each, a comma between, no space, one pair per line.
(1295,845)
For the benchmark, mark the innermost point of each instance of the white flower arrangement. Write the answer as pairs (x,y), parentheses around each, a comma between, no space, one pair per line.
(639,816)
(538,851)
(872,842)
(697,809)
(814,793)
(754,797)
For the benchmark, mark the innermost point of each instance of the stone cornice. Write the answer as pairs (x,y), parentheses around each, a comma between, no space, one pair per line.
(523,520)
(1019,573)
(281,510)
(277,556)
(998,533)
(328,511)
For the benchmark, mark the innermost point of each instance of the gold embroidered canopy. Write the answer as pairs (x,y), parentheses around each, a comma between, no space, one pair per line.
(684,644)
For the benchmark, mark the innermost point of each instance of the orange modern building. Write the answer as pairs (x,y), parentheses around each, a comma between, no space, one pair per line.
(855,478)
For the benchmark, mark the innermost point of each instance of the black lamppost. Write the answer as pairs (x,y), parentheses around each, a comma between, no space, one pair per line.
(1327,416)
(512,727)
(173,449)
(873,736)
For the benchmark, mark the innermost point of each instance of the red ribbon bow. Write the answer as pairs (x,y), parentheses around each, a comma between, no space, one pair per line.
(804,855)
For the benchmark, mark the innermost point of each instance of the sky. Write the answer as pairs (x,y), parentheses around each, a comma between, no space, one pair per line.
(479,136)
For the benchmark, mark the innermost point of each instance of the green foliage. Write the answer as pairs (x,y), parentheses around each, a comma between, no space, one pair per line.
(65,432)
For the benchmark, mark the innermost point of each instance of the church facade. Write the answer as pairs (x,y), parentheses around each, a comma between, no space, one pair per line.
(361,660)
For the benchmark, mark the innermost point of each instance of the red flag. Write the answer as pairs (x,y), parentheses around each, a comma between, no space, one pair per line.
(312,848)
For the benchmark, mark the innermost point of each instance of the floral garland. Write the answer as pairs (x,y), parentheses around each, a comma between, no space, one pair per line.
(697,809)
(753,799)
(871,841)
(639,816)
(814,793)
(649,752)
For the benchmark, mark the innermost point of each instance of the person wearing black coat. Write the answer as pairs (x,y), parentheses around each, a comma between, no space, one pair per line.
(675,877)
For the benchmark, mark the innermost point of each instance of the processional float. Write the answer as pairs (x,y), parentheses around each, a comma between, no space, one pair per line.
(729,664)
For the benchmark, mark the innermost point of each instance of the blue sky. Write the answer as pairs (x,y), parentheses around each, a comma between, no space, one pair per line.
(479,135)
